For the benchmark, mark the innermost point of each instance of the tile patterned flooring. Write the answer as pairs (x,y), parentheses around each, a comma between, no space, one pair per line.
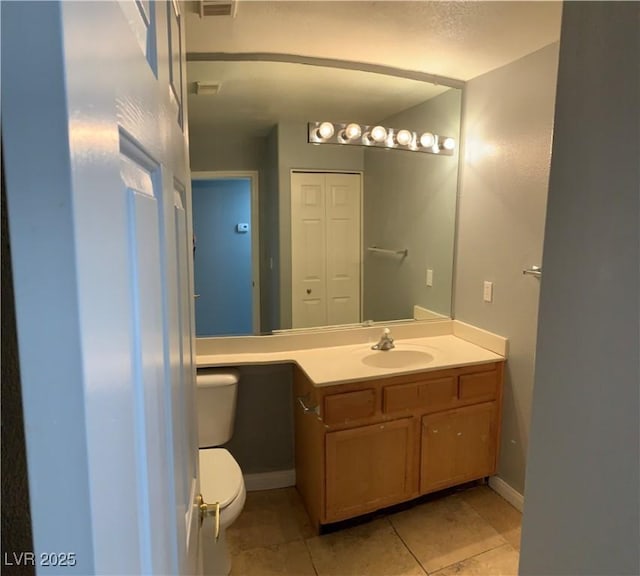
(471,532)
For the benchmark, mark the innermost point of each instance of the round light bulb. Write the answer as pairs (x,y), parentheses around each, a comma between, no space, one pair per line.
(325,130)
(404,137)
(435,148)
(378,134)
(352,131)
(449,144)
(427,140)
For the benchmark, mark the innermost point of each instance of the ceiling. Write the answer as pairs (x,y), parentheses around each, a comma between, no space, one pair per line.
(453,40)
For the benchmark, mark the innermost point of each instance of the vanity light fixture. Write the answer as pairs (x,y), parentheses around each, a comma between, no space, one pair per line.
(325,130)
(427,140)
(436,145)
(376,134)
(404,137)
(354,134)
(352,131)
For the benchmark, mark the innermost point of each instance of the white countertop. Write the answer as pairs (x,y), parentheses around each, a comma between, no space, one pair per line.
(328,365)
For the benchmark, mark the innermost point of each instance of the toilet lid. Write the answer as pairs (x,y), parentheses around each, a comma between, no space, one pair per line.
(220,476)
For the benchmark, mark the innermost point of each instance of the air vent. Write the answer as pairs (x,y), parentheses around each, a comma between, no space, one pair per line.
(218,8)
(207,88)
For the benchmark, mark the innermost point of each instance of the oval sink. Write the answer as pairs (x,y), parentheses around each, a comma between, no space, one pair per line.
(396,358)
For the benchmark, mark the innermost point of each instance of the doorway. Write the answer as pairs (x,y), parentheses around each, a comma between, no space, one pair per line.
(226,264)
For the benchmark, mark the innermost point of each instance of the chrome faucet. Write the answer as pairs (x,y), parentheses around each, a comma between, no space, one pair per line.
(386,341)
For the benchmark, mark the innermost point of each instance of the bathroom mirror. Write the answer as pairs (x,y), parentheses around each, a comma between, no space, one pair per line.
(248,122)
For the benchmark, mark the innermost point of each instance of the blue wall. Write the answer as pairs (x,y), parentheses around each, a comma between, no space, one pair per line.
(222,271)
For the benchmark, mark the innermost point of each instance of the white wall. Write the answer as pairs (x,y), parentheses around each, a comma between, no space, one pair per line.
(583,483)
(507,127)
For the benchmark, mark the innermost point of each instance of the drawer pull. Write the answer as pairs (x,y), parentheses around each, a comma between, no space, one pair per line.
(459,434)
(308,409)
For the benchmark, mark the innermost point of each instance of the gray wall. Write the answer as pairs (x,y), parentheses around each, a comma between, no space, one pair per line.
(582,509)
(269,236)
(224,150)
(410,202)
(507,126)
(263,435)
(294,152)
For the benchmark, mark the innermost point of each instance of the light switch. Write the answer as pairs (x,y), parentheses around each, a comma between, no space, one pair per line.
(429,277)
(487,294)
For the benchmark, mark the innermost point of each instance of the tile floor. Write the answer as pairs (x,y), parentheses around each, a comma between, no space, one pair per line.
(469,532)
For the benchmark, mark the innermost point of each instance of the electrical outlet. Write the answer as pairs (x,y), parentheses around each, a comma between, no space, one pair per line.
(429,277)
(487,294)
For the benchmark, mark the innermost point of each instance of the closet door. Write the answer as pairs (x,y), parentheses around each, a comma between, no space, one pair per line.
(343,248)
(308,251)
(325,248)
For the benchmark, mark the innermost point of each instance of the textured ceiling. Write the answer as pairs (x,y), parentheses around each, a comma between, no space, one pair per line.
(254,96)
(458,40)
(453,40)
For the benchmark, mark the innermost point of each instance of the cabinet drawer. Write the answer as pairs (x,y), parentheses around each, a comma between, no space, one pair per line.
(348,406)
(438,394)
(432,394)
(479,387)
(400,397)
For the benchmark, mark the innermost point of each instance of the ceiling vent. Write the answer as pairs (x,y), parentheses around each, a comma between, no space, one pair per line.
(207,88)
(218,8)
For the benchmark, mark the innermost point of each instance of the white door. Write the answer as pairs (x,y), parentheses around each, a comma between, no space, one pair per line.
(308,251)
(325,248)
(344,259)
(98,193)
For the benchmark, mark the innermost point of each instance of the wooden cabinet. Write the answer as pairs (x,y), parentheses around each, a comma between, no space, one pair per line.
(366,445)
(368,467)
(457,446)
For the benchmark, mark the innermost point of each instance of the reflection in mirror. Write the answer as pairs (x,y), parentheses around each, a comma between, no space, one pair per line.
(347,234)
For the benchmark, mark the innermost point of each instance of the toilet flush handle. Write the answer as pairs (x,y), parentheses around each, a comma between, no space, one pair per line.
(210,510)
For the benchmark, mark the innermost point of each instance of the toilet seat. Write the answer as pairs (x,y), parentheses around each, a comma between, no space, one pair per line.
(220,476)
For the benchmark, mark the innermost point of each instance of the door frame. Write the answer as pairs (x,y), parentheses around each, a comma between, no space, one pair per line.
(360,173)
(253,177)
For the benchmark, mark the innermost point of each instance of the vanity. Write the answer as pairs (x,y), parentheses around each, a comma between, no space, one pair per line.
(375,428)
(369,444)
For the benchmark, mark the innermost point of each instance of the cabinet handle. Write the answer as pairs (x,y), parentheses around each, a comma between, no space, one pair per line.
(459,434)
(307,409)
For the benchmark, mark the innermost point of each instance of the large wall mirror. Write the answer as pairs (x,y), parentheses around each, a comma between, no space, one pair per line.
(292,234)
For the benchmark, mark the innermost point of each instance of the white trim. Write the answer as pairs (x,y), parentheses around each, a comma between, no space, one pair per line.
(509,493)
(253,177)
(270,480)
(480,337)
(421,313)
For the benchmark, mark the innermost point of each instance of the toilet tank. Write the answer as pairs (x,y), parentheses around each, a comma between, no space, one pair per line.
(216,391)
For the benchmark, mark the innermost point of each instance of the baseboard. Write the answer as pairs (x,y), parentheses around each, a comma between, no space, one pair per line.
(510,494)
(269,480)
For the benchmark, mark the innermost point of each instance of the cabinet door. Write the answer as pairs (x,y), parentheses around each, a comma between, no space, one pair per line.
(368,468)
(457,446)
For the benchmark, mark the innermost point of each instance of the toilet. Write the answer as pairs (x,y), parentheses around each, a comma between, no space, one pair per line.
(220,475)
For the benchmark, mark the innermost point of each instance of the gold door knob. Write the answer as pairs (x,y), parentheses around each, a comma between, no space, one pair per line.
(210,510)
